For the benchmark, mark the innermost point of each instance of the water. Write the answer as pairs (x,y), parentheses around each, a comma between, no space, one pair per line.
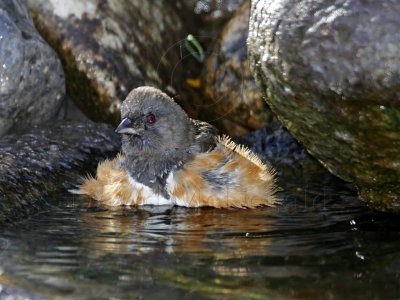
(321,243)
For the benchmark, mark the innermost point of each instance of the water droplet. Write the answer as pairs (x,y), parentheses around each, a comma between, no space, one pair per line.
(360,256)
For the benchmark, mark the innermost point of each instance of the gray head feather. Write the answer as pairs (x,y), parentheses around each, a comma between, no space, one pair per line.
(153,149)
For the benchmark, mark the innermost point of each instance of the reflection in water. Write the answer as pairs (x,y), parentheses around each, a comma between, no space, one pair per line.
(179,230)
(320,243)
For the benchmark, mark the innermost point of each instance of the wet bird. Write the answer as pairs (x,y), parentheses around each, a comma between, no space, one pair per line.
(170,159)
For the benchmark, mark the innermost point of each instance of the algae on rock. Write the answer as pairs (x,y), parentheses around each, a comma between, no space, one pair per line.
(330,71)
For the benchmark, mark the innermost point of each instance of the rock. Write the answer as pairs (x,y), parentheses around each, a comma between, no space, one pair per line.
(208,15)
(111,47)
(331,73)
(31,77)
(73,113)
(48,159)
(10,292)
(228,81)
(276,146)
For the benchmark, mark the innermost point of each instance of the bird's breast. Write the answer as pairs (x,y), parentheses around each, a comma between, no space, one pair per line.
(146,195)
(114,186)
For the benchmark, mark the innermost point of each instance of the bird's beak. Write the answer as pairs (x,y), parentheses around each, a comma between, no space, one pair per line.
(125,127)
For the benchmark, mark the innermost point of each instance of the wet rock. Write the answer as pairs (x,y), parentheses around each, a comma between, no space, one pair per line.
(111,47)
(31,77)
(228,81)
(73,113)
(209,15)
(48,159)
(331,73)
(204,20)
(276,145)
(9,292)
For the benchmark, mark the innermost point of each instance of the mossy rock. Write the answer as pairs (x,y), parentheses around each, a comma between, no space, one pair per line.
(330,71)
(110,47)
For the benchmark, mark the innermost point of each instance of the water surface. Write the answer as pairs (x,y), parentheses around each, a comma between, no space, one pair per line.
(321,243)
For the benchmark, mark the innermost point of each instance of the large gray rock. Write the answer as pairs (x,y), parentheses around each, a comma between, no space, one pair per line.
(48,159)
(227,79)
(110,47)
(31,76)
(330,71)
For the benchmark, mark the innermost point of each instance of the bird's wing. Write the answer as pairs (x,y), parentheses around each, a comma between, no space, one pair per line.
(205,136)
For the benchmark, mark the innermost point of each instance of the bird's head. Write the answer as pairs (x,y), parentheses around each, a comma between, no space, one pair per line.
(153,124)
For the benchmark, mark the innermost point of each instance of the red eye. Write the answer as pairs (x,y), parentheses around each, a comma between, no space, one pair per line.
(150,118)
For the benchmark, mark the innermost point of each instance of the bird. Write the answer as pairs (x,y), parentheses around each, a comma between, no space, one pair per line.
(168,158)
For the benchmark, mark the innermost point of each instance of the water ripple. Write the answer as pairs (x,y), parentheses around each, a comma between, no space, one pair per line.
(321,235)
